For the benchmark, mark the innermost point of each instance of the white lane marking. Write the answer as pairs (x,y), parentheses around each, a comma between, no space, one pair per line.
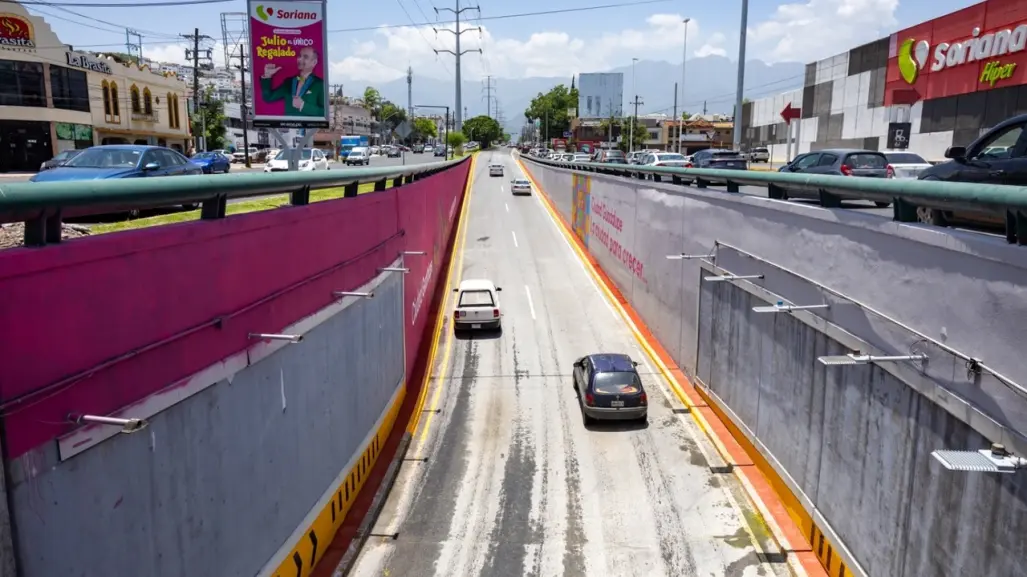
(501,189)
(531,305)
(505,205)
(514,235)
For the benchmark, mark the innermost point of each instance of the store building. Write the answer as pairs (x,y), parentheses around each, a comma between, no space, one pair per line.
(44,97)
(937,84)
(133,104)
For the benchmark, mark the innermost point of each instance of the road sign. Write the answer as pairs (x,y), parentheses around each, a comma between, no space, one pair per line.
(791,113)
(404,129)
(566,133)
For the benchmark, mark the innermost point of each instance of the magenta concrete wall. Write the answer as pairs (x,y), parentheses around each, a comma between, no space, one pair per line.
(105,321)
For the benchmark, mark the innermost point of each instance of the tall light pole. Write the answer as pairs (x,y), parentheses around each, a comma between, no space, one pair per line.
(634,92)
(684,56)
(737,120)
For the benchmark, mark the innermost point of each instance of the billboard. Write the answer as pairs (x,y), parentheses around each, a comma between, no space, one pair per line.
(601,95)
(288,63)
(977,48)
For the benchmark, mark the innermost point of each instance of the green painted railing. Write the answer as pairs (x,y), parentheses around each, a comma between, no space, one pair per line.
(904,195)
(42,206)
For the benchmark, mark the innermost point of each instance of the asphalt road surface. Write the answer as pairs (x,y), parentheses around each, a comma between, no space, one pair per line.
(514,483)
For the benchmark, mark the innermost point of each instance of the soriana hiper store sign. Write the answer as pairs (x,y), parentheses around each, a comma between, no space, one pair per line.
(979,48)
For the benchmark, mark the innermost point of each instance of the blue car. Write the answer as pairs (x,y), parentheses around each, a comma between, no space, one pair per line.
(121,161)
(212,162)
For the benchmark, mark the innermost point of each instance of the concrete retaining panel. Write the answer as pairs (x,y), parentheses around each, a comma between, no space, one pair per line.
(852,443)
(220,481)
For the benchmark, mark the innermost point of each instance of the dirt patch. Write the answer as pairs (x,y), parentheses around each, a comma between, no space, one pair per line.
(13,234)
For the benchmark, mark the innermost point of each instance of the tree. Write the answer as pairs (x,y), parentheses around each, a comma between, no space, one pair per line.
(373,101)
(425,128)
(550,109)
(211,116)
(483,129)
(685,115)
(456,139)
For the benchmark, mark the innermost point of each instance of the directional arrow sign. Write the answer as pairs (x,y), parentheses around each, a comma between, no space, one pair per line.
(791,113)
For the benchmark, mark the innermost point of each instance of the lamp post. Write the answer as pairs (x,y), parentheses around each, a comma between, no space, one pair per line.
(684,56)
(445,142)
(631,127)
(737,120)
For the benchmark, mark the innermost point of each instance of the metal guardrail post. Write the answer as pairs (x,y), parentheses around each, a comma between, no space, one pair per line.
(214,208)
(351,190)
(1016,227)
(380,185)
(301,197)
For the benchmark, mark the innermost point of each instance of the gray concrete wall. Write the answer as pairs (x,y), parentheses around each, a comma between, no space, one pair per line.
(218,482)
(855,442)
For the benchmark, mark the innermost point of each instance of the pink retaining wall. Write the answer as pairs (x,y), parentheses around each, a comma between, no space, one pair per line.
(95,324)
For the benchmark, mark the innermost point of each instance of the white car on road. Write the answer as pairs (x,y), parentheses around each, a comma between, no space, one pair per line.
(477,306)
(495,169)
(906,165)
(310,159)
(520,186)
(358,155)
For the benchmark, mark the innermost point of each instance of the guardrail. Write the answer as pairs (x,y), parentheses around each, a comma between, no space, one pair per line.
(905,196)
(42,206)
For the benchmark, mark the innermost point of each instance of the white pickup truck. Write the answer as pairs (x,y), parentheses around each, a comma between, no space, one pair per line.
(240,155)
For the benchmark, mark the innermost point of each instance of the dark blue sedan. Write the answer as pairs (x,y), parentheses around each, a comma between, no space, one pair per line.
(609,388)
(212,162)
(121,161)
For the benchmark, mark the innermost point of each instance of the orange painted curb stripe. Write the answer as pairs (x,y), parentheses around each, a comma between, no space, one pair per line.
(738,456)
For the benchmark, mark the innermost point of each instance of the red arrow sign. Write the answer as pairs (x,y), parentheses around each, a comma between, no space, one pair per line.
(791,113)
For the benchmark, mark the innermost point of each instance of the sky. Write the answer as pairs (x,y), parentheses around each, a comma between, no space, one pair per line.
(551,45)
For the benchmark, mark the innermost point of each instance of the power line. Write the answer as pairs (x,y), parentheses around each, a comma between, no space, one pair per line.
(428,42)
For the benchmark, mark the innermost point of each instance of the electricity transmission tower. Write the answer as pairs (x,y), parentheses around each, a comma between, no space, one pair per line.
(458,53)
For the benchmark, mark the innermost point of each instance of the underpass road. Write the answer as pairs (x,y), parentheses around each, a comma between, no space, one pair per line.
(513,483)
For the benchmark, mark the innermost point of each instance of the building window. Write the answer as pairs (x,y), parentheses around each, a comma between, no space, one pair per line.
(136,106)
(70,89)
(147,101)
(105,88)
(173,118)
(115,103)
(22,84)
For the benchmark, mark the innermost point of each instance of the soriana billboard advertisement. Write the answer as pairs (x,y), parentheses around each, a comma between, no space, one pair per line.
(289,63)
(978,48)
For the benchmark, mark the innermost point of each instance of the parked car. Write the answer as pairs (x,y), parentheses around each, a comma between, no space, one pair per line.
(440,151)
(212,162)
(240,155)
(59,160)
(760,154)
(999,156)
(520,186)
(417,148)
(609,388)
(837,162)
(477,306)
(905,165)
(719,159)
(311,159)
(358,155)
(496,169)
(121,161)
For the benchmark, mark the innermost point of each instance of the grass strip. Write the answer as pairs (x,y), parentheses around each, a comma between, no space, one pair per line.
(255,205)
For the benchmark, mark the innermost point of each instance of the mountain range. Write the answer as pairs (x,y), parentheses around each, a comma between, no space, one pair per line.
(711,84)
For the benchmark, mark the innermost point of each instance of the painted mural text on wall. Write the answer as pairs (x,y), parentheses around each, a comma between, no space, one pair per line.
(607,214)
(619,251)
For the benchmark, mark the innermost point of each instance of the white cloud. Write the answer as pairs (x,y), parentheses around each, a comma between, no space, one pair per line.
(176,53)
(542,53)
(815,29)
(713,46)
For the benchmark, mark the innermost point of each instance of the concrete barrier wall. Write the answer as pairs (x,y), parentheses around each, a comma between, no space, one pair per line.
(221,480)
(851,446)
(255,450)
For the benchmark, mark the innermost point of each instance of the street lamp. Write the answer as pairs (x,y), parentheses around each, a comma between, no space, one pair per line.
(445,142)
(684,56)
(737,120)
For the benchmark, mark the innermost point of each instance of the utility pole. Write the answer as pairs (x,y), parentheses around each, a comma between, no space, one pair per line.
(631,131)
(704,108)
(195,55)
(740,89)
(410,93)
(459,121)
(677,121)
(488,96)
(243,108)
(134,48)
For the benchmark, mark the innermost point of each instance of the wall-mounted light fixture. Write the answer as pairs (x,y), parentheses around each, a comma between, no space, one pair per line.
(854,359)
(127,425)
(340,294)
(994,460)
(781,307)
(274,337)
(413,253)
(394,269)
(684,256)
(729,277)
